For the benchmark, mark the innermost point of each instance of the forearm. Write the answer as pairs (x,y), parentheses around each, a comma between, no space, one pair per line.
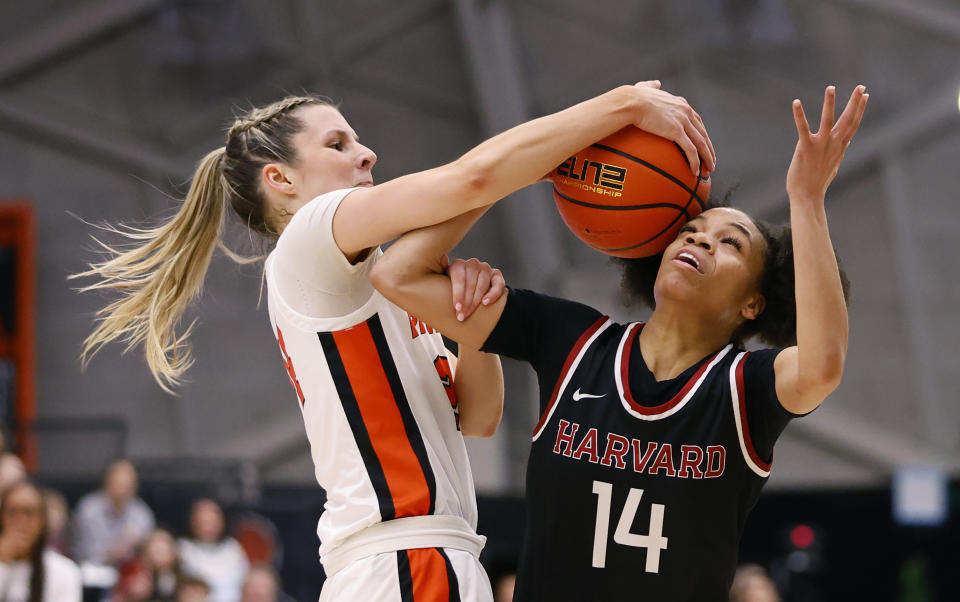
(521,155)
(509,161)
(479,386)
(822,328)
(411,275)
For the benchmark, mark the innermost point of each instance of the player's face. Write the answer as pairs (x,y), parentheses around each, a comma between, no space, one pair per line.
(716,260)
(329,154)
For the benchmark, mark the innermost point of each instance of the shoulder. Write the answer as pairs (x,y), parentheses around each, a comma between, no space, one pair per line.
(761,359)
(92,502)
(61,565)
(550,307)
(233,547)
(318,210)
(755,368)
(140,507)
(307,249)
(535,326)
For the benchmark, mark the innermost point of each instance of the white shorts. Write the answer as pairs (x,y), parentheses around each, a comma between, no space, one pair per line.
(417,575)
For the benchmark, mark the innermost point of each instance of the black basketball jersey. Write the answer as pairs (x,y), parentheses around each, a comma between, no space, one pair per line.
(632,498)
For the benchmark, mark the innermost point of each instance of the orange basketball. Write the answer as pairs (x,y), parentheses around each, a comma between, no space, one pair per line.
(629,194)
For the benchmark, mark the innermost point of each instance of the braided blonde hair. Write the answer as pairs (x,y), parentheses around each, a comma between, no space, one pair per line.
(163,272)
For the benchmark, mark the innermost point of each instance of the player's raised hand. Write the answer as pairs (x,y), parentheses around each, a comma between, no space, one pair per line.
(474,282)
(673,118)
(817,157)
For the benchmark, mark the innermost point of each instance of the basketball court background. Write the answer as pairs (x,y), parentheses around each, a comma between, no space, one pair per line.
(106,105)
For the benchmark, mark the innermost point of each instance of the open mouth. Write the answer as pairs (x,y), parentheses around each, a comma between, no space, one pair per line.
(689,259)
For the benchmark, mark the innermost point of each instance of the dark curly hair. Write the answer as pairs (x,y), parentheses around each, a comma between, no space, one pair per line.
(777,324)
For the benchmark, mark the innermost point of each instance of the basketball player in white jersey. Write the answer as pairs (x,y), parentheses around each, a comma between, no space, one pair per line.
(375,384)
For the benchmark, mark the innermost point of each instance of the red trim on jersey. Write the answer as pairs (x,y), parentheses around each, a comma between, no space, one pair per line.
(428,572)
(745,427)
(383,421)
(566,366)
(625,379)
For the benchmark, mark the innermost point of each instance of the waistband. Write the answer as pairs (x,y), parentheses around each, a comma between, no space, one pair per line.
(409,533)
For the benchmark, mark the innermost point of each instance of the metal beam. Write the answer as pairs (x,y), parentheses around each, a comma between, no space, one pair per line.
(503,102)
(501,93)
(115,152)
(939,19)
(907,261)
(39,46)
(407,93)
(377,33)
(869,444)
(315,56)
(768,200)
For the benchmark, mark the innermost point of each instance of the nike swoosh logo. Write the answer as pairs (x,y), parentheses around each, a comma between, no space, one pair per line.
(577,395)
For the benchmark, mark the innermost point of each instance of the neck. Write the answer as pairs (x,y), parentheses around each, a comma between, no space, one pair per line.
(675,338)
(11,553)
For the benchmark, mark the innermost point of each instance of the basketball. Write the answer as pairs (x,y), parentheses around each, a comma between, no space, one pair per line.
(628,194)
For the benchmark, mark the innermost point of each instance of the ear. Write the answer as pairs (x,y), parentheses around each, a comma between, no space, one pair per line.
(278,177)
(753,307)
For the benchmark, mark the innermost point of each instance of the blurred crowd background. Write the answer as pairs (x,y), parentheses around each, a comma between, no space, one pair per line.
(106,105)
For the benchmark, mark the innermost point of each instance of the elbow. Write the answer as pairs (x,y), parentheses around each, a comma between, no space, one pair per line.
(386,277)
(474,177)
(488,432)
(480,430)
(828,375)
(482,424)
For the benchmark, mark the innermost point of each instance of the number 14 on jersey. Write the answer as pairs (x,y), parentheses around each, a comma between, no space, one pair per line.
(653,541)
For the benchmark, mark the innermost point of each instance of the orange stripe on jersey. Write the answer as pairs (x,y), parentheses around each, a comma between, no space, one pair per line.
(383,418)
(428,572)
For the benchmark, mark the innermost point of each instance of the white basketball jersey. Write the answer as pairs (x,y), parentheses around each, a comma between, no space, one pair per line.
(374,386)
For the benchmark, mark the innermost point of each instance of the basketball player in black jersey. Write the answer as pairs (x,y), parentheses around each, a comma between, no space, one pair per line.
(655,439)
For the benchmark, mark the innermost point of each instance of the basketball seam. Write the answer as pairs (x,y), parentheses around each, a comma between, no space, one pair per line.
(620,207)
(681,209)
(656,169)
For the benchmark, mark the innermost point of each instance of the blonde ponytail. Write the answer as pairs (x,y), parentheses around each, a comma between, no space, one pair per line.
(163,272)
(160,276)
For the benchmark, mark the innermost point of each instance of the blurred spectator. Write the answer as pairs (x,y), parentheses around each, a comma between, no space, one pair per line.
(751,584)
(192,590)
(12,470)
(110,524)
(134,584)
(154,574)
(261,584)
(211,555)
(28,571)
(57,517)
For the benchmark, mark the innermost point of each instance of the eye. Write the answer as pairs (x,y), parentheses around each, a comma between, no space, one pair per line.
(337,146)
(687,228)
(732,241)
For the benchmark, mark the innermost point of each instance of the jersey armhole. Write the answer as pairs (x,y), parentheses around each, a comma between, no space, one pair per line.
(570,365)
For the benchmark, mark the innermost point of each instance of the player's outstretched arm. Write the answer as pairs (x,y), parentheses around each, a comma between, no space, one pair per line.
(411,271)
(511,160)
(808,372)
